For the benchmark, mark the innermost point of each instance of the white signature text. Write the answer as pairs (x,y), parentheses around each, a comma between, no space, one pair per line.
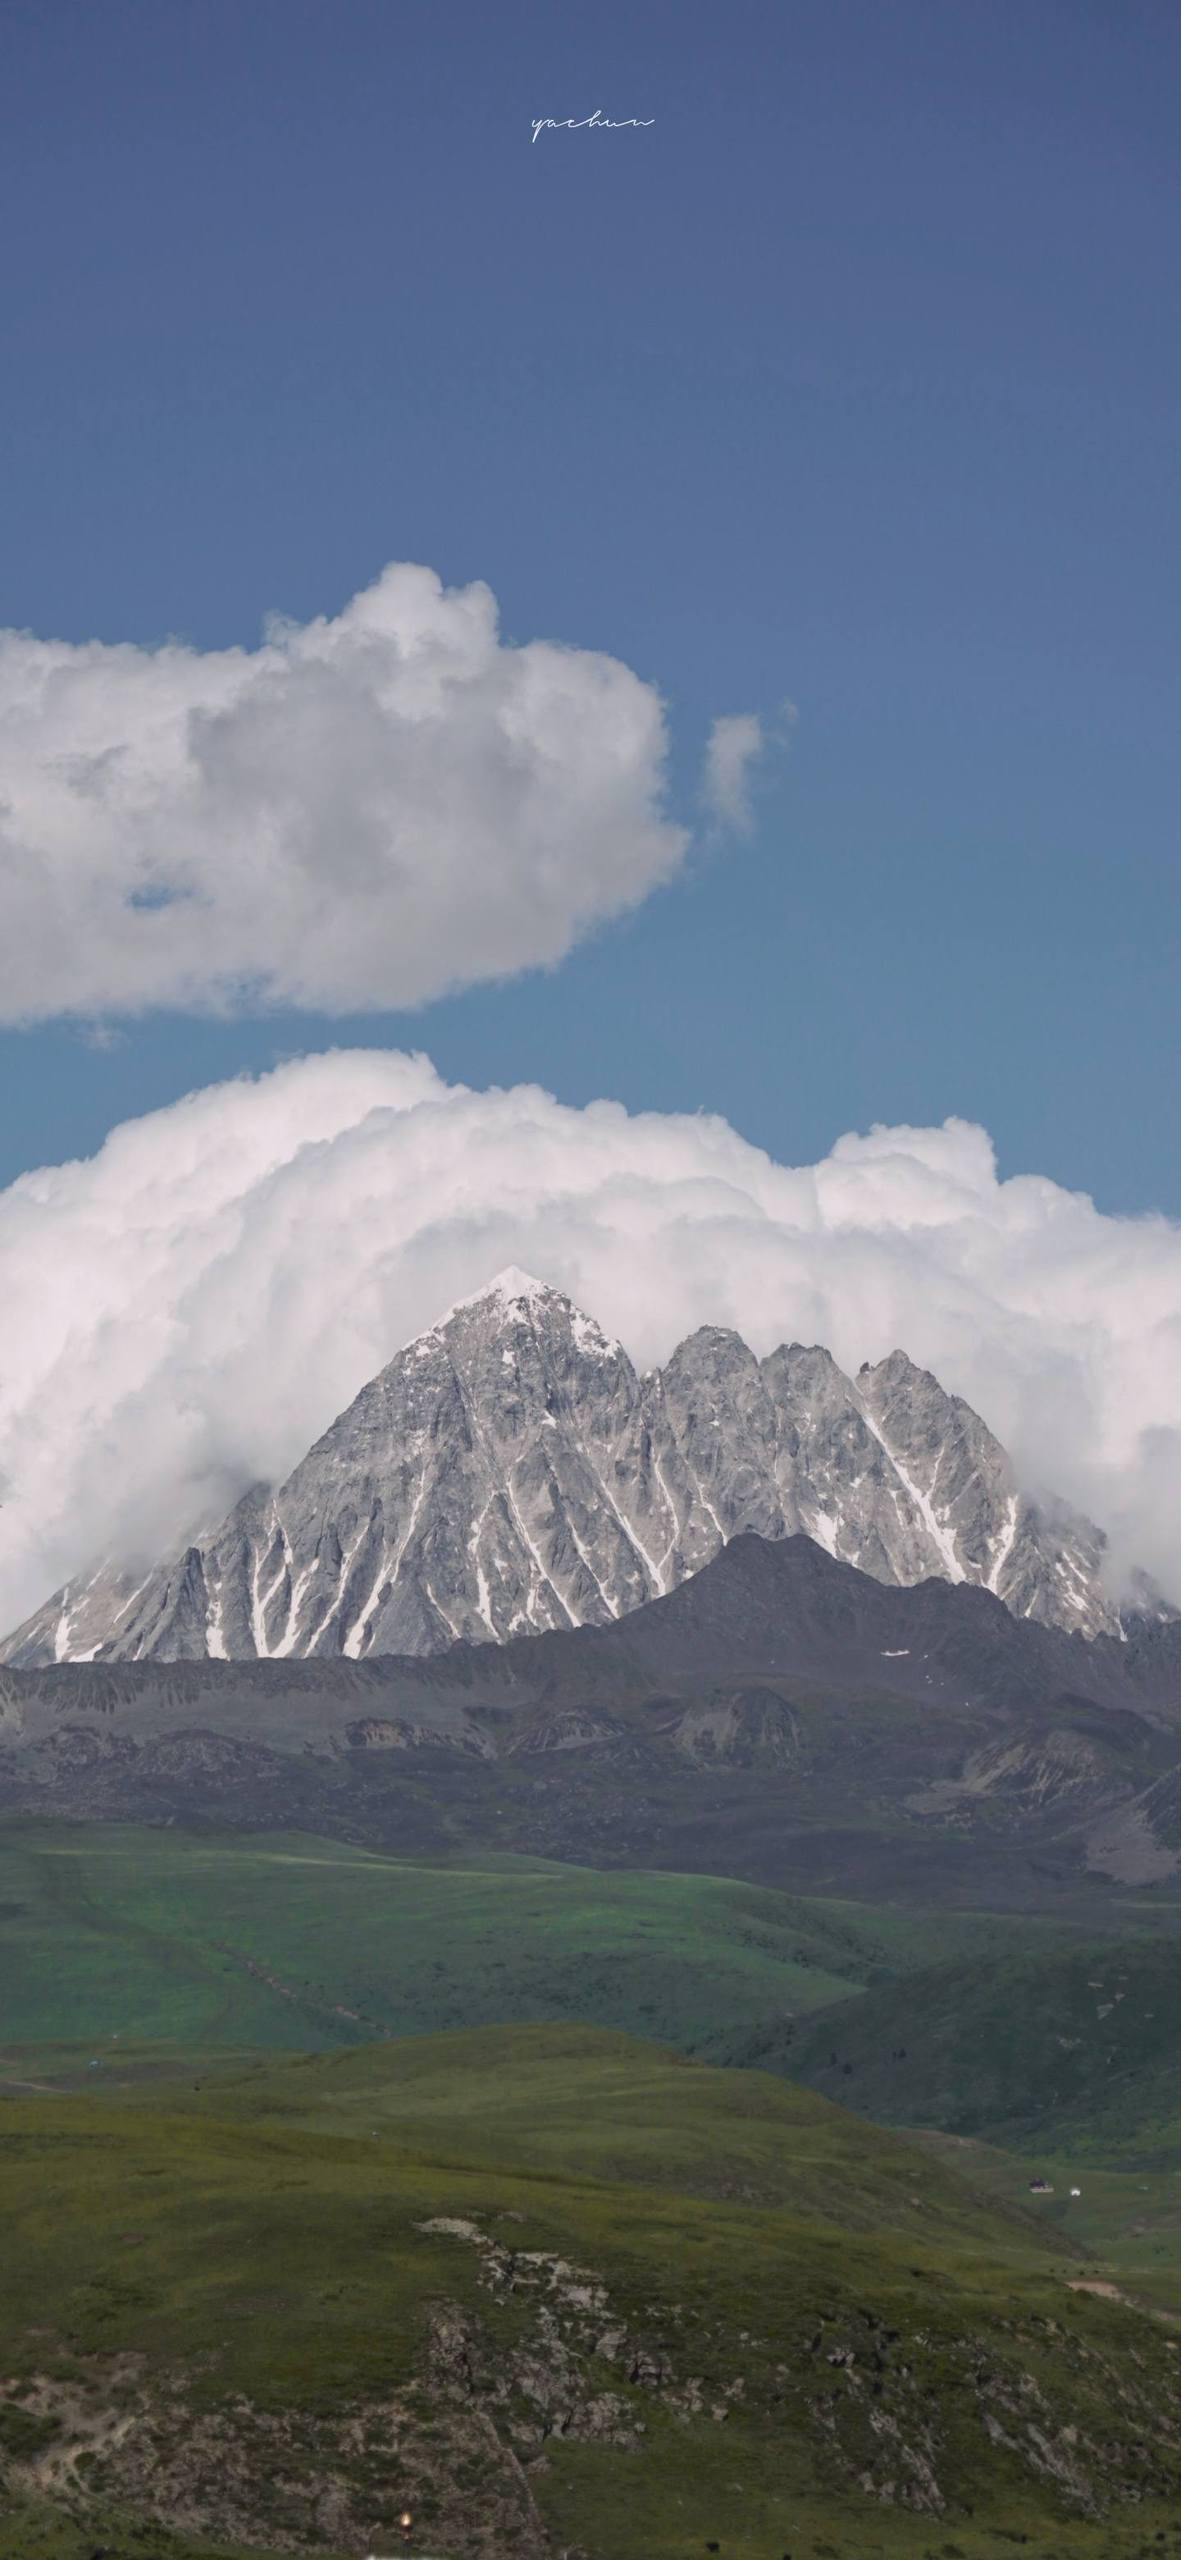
(580,124)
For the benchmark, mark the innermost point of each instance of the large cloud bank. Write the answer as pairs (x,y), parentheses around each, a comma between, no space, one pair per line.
(364,811)
(186,1311)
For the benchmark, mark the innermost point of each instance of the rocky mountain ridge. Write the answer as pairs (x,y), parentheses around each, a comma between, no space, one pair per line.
(778,1716)
(511,1472)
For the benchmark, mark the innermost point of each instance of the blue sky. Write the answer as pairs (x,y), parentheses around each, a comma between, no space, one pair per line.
(853,379)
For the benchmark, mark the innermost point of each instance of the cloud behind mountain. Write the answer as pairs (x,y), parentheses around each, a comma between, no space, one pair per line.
(187,1310)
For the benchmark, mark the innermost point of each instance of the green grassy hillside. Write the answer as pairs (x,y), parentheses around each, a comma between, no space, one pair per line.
(665,2306)
(277,2311)
(1128,2219)
(293,1942)
(1072,2047)
(1028,2032)
(290,1942)
(585,2102)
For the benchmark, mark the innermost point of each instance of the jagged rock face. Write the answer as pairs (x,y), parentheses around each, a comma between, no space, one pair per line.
(78,1620)
(510,1472)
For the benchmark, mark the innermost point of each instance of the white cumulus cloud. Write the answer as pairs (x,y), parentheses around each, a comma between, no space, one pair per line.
(187,1310)
(364,811)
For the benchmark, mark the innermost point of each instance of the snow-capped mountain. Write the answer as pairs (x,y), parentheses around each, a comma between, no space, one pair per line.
(511,1471)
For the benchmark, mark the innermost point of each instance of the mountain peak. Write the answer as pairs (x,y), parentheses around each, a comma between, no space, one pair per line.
(511,1287)
(513,1283)
(806,1360)
(509,1473)
(897,1364)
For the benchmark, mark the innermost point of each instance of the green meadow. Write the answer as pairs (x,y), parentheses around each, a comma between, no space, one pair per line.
(1060,2046)
(294,1942)
(225,2295)
(290,1942)
(336,2186)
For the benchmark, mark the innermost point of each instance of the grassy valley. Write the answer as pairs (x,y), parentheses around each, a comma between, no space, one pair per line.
(463,2279)
(1051,2044)
(338,2186)
(285,1940)
(220,1938)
